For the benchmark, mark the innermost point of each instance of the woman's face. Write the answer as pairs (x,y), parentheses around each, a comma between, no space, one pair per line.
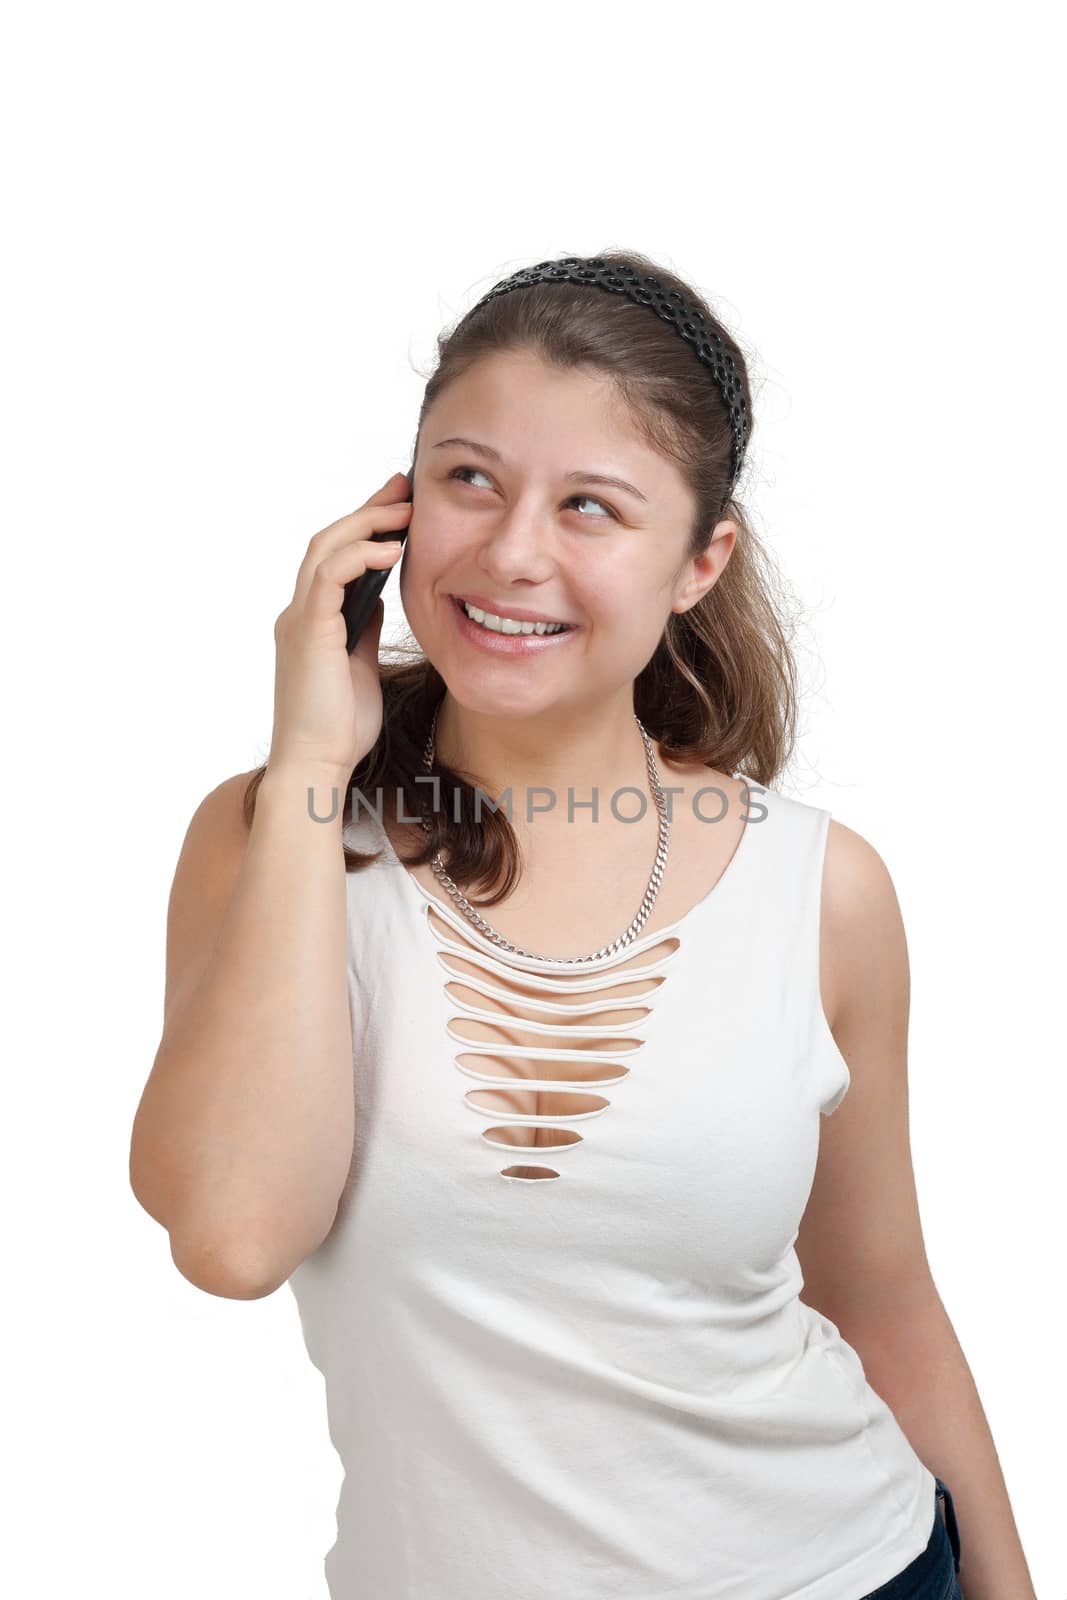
(519,526)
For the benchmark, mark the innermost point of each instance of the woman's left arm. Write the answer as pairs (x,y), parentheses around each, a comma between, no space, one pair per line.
(860,1243)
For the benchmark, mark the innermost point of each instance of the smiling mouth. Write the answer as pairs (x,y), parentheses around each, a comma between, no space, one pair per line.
(494,623)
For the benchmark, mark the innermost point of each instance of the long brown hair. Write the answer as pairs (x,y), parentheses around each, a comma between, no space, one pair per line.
(720,689)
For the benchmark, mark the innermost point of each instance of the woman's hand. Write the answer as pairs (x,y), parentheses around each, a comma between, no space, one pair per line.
(328,704)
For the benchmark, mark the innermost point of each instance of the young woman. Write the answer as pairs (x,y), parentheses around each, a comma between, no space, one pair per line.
(514,1061)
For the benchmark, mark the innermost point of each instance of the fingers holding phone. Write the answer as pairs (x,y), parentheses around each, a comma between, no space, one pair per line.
(327,702)
(363,592)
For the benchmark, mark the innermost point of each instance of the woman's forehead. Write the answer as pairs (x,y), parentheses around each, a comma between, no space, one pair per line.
(542,418)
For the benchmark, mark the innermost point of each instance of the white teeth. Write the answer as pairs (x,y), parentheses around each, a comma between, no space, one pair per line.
(508,624)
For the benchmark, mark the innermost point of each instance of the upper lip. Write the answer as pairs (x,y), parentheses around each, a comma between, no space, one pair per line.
(519,613)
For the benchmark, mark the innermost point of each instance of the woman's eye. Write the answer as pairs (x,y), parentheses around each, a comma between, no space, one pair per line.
(458,473)
(594,502)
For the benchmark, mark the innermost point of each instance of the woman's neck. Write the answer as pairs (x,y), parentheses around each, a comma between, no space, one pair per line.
(548,761)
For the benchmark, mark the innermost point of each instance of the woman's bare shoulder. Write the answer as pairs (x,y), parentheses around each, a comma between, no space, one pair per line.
(861,925)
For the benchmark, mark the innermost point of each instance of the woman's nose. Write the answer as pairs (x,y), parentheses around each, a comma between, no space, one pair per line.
(519,545)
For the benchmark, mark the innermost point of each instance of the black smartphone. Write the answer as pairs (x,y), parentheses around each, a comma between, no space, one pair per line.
(361,595)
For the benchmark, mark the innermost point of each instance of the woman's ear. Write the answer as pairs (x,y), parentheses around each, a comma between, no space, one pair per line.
(705,569)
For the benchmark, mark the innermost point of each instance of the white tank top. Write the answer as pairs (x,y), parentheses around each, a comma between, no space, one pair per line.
(557,1313)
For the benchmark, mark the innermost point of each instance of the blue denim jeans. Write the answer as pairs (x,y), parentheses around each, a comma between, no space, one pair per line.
(933,1575)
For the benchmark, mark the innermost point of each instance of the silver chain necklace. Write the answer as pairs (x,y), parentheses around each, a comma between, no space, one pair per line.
(644,910)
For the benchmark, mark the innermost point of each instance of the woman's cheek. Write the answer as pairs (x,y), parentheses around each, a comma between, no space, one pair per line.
(416,585)
(409,570)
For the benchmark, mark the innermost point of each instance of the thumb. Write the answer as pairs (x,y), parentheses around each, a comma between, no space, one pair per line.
(367,644)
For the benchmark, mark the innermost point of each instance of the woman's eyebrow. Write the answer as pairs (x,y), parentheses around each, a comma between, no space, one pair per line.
(575,477)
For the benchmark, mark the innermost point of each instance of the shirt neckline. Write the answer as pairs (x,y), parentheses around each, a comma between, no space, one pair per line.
(729,875)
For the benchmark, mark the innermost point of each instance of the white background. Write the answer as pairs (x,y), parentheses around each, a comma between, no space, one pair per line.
(234,232)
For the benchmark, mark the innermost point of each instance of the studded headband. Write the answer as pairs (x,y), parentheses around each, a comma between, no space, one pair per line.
(687,320)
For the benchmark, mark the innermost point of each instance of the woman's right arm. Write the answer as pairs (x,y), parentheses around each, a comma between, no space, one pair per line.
(243,1137)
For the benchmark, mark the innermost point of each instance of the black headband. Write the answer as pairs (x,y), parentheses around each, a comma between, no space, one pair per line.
(687,320)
